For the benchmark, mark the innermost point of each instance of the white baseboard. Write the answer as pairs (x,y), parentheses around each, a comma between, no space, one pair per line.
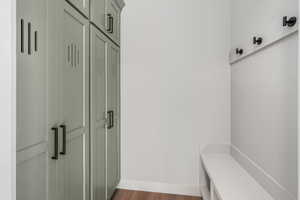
(262,177)
(188,190)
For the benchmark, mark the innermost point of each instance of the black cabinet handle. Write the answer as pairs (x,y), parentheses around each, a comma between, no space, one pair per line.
(55,157)
(110,23)
(35,41)
(111,119)
(29,38)
(22,36)
(64,147)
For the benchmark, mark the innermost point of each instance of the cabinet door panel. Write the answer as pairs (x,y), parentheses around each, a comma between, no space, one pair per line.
(98,112)
(112,134)
(56,187)
(75,103)
(31,73)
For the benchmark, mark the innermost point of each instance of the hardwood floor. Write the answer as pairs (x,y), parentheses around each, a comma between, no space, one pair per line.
(138,195)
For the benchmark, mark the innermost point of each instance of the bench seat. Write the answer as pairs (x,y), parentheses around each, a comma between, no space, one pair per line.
(229,181)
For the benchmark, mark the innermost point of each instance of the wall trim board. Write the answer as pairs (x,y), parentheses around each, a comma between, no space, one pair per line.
(188,190)
(233,59)
(261,176)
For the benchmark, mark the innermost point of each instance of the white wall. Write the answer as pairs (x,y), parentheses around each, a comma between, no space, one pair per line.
(264,98)
(264,111)
(251,18)
(175,90)
(7,99)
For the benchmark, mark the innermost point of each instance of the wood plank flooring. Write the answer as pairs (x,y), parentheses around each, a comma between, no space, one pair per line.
(138,195)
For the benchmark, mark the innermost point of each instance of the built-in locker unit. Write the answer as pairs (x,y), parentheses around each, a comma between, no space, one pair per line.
(68,100)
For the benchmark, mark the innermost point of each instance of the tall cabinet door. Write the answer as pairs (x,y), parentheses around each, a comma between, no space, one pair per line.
(56,187)
(31,141)
(99,45)
(74,110)
(113,148)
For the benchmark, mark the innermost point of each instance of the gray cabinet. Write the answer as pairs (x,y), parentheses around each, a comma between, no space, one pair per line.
(104,116)
(31,140)
(105,14)
(69,130)
(67,110)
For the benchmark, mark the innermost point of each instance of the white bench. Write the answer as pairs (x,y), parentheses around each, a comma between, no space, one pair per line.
(229,181)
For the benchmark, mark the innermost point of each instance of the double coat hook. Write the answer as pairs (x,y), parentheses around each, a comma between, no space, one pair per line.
(289,22)
(239,51)
(257,40)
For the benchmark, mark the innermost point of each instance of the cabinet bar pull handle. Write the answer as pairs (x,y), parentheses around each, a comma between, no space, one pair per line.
(111,119)
(108,118)
(55,157)
(29,38)
(64,149)
(72,55)
(36,41)
(22,36)
(110,23)
(75,55)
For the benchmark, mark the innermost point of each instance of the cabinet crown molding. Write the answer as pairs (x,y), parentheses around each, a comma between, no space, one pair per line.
(120,3)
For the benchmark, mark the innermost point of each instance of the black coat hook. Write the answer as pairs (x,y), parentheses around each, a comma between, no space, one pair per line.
(257,40)
(289,22)
(239,51)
